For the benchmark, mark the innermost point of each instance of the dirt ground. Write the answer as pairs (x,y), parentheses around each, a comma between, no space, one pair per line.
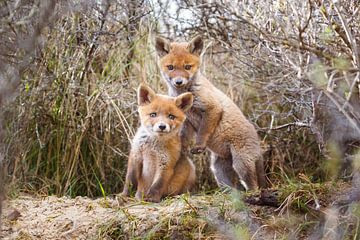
(54,218)
(211,216)
(28,217)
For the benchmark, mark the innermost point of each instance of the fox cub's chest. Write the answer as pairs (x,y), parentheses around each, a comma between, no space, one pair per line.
(155,152)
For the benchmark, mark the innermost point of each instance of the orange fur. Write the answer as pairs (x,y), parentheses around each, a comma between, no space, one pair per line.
(156,165)
(219,123)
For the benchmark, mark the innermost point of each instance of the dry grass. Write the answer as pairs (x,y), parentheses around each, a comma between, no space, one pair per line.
(77,108)
(76,68)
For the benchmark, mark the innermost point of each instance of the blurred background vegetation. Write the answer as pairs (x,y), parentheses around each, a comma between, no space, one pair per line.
(69,70)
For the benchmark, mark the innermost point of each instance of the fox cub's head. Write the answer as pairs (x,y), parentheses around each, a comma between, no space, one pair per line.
(161,114)
(179,62)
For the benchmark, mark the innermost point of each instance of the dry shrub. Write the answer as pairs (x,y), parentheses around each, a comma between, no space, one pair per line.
(68,132)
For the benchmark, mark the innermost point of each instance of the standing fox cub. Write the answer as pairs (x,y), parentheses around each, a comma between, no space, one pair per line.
(156,166)
(236,156)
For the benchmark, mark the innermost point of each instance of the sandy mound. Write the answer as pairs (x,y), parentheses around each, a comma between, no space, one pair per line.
(214,216)
(54,218)
(83,218)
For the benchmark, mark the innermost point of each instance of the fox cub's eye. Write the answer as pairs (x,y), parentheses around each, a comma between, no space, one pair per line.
(172,117)
(152,115)
(170,67)
(187,67)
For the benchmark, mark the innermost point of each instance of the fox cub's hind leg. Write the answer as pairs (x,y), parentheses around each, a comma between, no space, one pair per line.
(184,177)
(224,172)
(245,166)
(191,178)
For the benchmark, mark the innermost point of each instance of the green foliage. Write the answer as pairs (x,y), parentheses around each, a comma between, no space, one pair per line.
(341,63)
(242,232)
(318,75)
(304,195)
(237,199)
(334,161)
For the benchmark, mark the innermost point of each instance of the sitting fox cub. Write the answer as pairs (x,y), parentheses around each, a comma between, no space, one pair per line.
(236,158)
(156,165)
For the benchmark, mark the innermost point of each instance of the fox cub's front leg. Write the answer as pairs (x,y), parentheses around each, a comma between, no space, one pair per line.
(134,169)
(210,119)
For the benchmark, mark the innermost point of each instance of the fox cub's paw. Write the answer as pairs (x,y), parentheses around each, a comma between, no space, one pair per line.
(122,197)
(152,196)
(124,193)
(198,149)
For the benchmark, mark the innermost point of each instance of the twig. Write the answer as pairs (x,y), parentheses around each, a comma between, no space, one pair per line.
(297,124)
(355,54)
(351,91)
(188,203)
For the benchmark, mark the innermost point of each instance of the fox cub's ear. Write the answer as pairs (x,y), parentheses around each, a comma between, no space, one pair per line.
(145,94)
(162,46)
(196,45)
(184,101)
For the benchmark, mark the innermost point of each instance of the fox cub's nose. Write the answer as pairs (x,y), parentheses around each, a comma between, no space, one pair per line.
(162,127)
(178,81)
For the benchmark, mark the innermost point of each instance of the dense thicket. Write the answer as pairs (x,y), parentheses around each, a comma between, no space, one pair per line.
(76,66)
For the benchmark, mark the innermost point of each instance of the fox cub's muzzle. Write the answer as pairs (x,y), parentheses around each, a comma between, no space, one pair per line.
(161,127)
(179,82)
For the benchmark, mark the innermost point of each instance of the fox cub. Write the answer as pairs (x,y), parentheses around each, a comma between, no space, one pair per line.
(236,156)
(156,165)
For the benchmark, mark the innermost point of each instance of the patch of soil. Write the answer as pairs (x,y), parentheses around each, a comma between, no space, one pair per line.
(182,217)
(54,218)
(216,216)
